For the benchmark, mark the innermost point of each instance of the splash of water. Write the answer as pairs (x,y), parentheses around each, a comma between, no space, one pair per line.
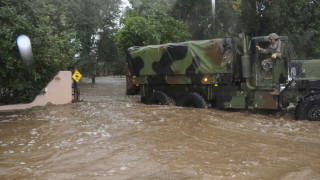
(213,6)
(25,50)
(213,9)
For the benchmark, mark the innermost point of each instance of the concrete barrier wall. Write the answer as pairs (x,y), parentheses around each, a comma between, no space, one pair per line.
(58,91)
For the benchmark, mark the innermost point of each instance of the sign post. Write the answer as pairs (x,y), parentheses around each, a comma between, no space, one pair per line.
(76,92)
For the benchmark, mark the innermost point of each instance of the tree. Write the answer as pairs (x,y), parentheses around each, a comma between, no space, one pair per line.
(227,20)
(53,50)
(249,18)
(300,20)
(297,19)
(207,19)
(93,21)
(195,13)
(109,60)
(152,27)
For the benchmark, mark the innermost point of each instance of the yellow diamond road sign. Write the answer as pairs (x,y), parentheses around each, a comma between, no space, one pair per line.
(76,76)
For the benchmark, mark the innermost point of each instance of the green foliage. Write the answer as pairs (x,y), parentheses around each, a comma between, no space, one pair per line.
(226,20)
(300,20)
(151,27)
(108,55)
(95,25)
(51,45)
(249,19)
(207,19)
(137,31)
(196,14)
(148,7)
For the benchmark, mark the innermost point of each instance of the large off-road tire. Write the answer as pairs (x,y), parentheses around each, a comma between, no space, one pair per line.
(192,99)
(157,97)
(309,108)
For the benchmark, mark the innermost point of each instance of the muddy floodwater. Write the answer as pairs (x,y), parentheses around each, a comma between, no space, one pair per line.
(111,136)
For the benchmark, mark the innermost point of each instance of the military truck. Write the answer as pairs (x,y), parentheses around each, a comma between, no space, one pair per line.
(224,73)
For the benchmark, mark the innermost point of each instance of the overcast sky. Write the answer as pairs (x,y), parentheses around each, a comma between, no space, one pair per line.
(125,3)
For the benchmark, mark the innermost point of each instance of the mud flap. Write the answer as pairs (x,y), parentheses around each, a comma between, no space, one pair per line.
(231,102)
(264,100)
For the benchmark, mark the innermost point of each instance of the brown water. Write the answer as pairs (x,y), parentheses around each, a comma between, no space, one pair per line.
(110,136)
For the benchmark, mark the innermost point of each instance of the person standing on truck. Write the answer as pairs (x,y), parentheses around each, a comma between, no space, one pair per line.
(274,49)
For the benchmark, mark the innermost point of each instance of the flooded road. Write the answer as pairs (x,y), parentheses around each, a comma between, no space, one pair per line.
(110,136)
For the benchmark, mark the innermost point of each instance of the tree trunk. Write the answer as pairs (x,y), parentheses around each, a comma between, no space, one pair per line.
(93,79)
(94,72)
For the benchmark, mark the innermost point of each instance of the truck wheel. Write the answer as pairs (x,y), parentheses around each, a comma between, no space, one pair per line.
(158,97)
(192,99)
(309,108)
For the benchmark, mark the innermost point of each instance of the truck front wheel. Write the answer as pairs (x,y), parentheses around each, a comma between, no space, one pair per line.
(192,99)
(158,97)
(309,108)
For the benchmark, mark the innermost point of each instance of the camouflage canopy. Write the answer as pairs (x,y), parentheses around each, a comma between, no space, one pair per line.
(185,58)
